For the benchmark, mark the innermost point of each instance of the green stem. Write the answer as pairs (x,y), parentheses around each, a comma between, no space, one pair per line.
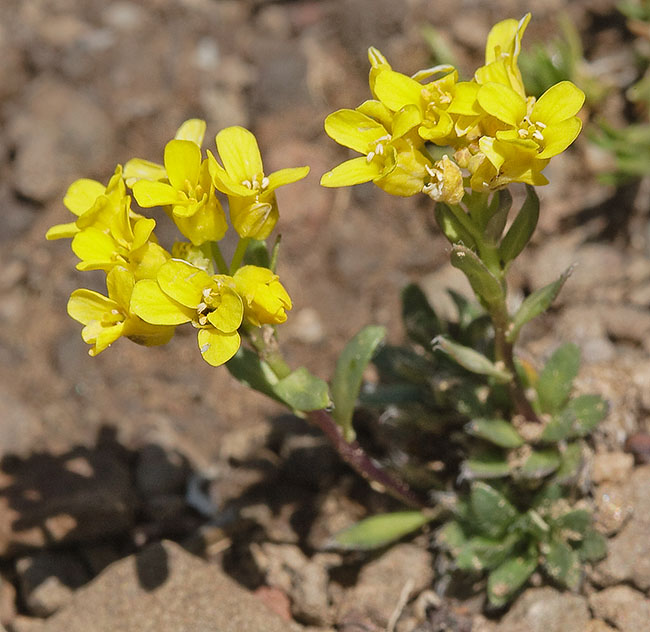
(219,261)
(266,344)
(238,257)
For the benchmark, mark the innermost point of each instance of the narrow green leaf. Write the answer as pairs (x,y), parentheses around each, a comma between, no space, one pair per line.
(509,577)
(303,391)
(349,373)
(537,303)
(451,537)
(522,228)
(491,513)
(556,380)
(420,320)
(593,546)
(480,553)
(471,360)
(562,563)
(574,523)
(499,209)
(570,464)
(588,411)
(560,427)
(531,522)
(377,531)
(451,228)
(485,467)
(540,463)
(496,431)
(485,285)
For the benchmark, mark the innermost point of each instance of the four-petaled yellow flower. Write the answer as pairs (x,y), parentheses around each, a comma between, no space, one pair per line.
(105,319)
(251,195)
(265,299)
(182,293)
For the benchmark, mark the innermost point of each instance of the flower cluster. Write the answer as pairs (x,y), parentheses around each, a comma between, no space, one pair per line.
(496,133)
(150,291)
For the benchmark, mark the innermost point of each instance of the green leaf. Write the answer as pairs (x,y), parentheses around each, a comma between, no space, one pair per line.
(387,394)
(537,303)
(420,320)
(531,522)
(451,228)
(302,391)
(257,254)
(467,310)
(560,427)
(593,546)
(499,209)
(471,360)
(246,367)
(377,531)
(496,431)
(522,228)
(399,363)
(506,579)
(556,380)
(451,537)
(562,563)
(485,467)
(349,373)
(570,464)
(491,513)
(588,411)
(485,285)
(574,523)
(540,463)
(480,553)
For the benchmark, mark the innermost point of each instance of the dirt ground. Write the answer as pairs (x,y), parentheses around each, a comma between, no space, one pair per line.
(87,84)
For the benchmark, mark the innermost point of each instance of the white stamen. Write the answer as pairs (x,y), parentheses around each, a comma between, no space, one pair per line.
(370,156)
(205,347)
(115,312)
(247,184)
(538,135)
(265,182)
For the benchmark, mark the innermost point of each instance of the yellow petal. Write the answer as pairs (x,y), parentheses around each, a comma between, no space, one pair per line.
(148,260)
(228,315)
(239,153)
(396,90)
(138,169)
(223,181)
(148,194)
(192,129)
(208,223)
(94,245)
(465,102)
(354,171)
(81,195)
(120,283)
(378,111)
(183,282)
(504,38)
(559,103)
(216,347)
(286,176)
(502,102)
(405,120)
(183,163)
(61,231)
(254,219)
(151,304)
(559,136)
(143,333)
(86,305)
(354,130)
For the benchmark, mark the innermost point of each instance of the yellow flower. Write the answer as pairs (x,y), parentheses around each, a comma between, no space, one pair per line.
(265,299)
(501,55)
(446,183)
(377,63)
(391,161)
(251,194)
(547,126)
(105,319)
(189,193)
(183,293)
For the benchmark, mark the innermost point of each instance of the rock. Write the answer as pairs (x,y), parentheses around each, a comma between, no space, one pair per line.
(546,610)
(628,558)
(304,580)
(80,496)
(596,625)
(613,508)
(615,467)
(7,601)
(623,606)
(48,580)
(20,428)
(165,589)
(60,135)
(404,568)
(26,624)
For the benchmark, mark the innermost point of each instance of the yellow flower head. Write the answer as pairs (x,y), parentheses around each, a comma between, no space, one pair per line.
(251,194)
(265,299)
(182,293)
(105,319)
(391,161)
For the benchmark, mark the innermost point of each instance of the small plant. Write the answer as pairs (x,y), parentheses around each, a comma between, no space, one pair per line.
(506,441)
